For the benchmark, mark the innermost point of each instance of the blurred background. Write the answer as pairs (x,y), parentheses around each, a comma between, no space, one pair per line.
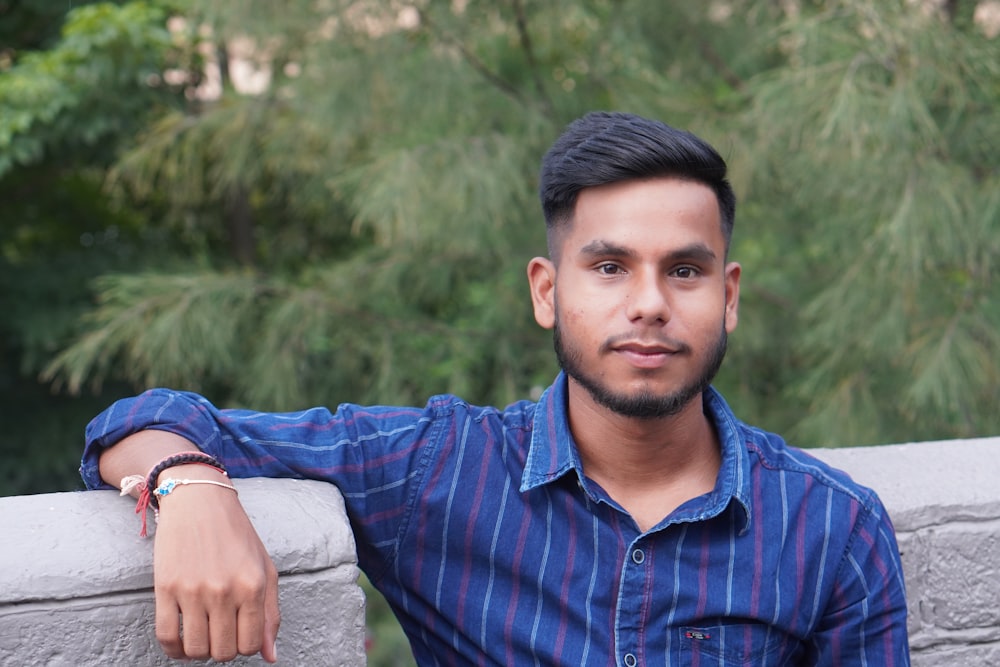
(284,204)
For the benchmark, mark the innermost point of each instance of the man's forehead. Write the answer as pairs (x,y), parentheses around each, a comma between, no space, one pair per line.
(610,205)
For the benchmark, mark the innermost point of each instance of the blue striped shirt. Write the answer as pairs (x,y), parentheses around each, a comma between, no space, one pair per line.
(494,548)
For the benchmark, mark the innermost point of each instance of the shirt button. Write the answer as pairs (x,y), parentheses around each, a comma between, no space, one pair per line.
(630,660)
(638,557)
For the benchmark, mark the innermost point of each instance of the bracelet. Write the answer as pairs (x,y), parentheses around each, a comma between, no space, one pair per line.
(177,460)
(147,486)
(169,484)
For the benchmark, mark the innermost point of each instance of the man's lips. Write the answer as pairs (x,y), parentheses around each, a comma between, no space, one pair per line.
(646,355)
(644,349)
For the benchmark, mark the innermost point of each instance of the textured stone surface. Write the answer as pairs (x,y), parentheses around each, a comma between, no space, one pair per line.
(950,655)
(928,483)
(76,580)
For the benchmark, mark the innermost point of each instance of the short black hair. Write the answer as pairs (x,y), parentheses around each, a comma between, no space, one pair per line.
(607,147)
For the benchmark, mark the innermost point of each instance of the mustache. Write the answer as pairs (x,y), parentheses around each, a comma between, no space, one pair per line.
(651,341)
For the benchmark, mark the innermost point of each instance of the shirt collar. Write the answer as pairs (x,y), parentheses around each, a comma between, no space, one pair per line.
(553,453)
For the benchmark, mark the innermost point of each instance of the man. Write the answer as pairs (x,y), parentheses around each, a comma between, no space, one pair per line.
(625,518)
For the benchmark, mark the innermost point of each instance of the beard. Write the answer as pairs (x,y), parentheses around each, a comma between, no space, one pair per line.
(643,404)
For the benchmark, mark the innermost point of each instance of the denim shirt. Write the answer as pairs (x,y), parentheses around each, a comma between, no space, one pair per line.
(492,546)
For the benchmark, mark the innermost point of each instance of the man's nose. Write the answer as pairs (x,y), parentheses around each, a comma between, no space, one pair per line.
(648,298)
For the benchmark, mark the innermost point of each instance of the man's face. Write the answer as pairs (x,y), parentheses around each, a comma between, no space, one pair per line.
(642,300)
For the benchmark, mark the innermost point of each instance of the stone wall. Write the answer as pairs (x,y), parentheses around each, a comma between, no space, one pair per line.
(76,579)
(76,582)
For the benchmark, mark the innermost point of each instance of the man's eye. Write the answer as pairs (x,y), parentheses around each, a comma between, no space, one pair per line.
(609,269)
(685,272)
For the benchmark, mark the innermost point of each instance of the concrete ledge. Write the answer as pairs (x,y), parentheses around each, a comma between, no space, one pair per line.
(944,500)
(76,579)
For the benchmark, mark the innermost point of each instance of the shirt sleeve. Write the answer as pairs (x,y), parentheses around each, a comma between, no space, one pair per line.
(182,413)
(374,455)
(865,622)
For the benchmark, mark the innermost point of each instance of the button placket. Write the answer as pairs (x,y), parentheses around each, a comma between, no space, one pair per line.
(635,582)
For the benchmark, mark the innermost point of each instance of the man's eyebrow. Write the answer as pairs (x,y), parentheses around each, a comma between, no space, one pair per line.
(696,252)
(604,249)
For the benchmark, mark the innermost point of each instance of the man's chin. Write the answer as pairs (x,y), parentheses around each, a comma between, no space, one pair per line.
(643,404)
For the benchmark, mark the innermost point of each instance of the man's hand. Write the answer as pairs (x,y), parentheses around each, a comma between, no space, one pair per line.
(216,587)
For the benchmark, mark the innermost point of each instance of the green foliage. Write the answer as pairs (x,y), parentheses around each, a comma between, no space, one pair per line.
(173,329)
(69,95)
(891,196)
(69,92)
(360,225)
(385,643)
(37,454)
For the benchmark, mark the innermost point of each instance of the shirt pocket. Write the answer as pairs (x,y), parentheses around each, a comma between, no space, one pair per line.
(736,645)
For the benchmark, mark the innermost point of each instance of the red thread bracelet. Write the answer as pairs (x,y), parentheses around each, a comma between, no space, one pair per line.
(146,495)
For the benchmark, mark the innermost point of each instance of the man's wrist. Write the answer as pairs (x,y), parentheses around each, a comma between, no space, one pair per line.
(191,471)
(193,457)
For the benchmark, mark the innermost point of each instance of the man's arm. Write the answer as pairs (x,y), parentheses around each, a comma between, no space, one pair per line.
(865,620)
(198,565)
(216,587)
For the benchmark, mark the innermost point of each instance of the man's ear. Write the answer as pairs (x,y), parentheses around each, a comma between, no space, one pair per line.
(733,271)
(542,281)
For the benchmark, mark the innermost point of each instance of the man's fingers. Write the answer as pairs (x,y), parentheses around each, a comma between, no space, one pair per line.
(195,637)
(272,616)
(168,627)
(222,634)
(250,629)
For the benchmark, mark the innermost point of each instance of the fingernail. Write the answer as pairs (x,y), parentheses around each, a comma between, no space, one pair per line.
(274,649)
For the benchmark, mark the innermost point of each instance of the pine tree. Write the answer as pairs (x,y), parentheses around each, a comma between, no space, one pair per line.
(356,227)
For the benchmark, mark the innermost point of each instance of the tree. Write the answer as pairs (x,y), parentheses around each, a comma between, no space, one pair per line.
(69,92)
(888,215)
(317,167)
(355,229)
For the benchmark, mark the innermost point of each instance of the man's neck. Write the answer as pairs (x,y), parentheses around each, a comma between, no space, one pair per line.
(649,466)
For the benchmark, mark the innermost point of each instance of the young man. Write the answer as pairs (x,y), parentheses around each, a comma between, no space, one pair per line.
(625,518)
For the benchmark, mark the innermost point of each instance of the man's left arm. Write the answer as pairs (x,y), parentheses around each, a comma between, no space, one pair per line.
(865,620)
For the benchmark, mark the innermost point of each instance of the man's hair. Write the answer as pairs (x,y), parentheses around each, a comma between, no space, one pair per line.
(609,147)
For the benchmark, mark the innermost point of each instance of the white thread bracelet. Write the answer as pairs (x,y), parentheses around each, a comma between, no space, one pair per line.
(169,484)
(132,482)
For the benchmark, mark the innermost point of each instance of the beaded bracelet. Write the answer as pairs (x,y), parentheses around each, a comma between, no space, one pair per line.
(147,486)
(177,460)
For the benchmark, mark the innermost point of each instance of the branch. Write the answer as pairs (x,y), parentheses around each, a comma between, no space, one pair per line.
(529,55)
(728,75)
(506,87)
